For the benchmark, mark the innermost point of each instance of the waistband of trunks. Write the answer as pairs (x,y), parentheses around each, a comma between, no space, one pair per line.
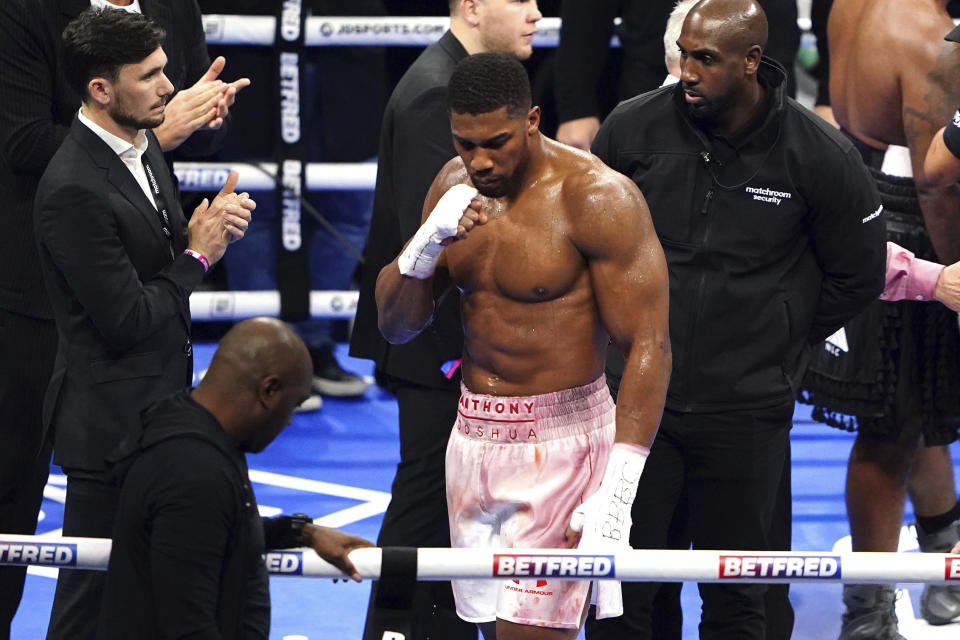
(538,418)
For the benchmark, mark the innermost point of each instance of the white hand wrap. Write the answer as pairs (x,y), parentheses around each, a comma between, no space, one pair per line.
(419,259)
(604,517)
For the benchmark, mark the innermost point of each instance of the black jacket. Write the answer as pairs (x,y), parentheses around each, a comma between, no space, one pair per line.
(38,106)
(187,539)
(415,143)
(119,291)
(773,239)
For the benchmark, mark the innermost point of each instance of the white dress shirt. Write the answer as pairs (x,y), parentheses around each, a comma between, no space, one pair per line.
(129,153)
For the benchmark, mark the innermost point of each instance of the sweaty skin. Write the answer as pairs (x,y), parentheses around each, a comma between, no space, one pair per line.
(559,259)
(893,80)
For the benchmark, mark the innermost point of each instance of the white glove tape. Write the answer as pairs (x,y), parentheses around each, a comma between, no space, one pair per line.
(604,517)
(419,259)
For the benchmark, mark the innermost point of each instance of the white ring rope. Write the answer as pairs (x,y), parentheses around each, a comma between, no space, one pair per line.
(237,305)
(362,30)
(632,566)
(321,176)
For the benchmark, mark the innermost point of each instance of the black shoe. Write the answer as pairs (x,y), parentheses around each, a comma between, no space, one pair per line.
(870,613)
(330,379)
(939,604)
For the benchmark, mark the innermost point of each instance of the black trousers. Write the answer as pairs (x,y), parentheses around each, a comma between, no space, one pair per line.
(417,517)
(779,611)
(89,512)
(725,476)
(27,349)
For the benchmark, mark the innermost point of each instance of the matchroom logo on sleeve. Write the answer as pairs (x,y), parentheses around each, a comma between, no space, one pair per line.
(774,567)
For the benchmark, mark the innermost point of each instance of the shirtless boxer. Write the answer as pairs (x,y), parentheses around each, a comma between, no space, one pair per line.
(893,81)
(553,257)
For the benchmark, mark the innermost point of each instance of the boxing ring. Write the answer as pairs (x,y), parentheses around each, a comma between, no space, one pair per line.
(446,564)
(564,564)
(49,552)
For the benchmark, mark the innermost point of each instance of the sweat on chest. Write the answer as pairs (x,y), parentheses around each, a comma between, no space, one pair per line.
(522,262)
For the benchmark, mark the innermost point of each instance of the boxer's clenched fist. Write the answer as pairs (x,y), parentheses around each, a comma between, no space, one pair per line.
(456,214)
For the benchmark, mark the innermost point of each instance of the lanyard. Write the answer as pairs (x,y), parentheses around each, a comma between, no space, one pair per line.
(160,201)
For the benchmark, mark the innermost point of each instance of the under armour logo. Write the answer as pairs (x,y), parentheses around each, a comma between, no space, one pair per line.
(540,583)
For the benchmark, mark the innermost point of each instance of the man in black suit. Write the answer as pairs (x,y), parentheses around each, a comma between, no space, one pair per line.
(35,114)
(415,142)
(119,262)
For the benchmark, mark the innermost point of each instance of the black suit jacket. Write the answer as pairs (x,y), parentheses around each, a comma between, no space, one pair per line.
(37,106)
(415,143)
(119,296)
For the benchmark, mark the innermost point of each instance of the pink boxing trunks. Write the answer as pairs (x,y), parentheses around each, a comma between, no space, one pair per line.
(516,469)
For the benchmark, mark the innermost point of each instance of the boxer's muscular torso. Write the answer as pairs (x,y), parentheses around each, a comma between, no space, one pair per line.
(893,80)
(531,292)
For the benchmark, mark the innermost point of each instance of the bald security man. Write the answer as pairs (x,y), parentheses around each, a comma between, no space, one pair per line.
(768,253)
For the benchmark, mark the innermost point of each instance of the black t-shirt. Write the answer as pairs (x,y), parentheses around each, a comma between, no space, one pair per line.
(188,539)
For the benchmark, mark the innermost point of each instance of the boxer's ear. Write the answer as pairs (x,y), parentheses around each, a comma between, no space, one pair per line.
(533,120)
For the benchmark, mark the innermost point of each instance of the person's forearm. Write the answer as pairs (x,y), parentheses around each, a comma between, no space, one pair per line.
(405,287)
(940,207)
(605,516)
(643,389)
(404,304)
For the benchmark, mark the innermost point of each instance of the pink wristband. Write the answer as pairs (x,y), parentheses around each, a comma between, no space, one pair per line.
(199,256)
